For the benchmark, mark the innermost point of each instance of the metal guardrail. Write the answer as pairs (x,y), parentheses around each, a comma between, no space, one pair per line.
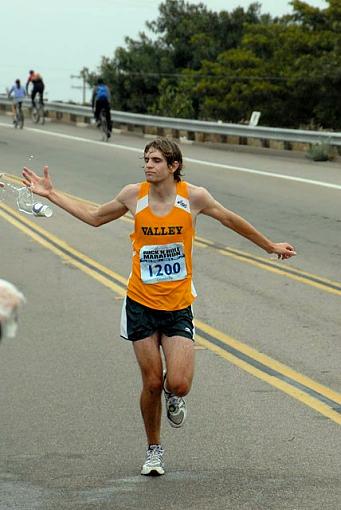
(195,126)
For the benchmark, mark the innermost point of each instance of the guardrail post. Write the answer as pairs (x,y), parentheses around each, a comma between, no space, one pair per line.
(298,146)
(233,139)
(276,144)
(254,142)
(150,130)
(199,137)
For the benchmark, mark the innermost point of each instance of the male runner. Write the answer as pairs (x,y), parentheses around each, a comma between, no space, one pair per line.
(157,313)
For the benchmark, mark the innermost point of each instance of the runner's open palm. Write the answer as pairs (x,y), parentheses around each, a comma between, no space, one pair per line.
(39,185)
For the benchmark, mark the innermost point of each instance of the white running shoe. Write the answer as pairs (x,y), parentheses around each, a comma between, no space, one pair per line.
(154,465)
(175,407)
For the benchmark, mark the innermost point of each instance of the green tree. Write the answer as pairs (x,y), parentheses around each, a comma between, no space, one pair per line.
(148,68)
(288,68)
(223,65)
(133,74)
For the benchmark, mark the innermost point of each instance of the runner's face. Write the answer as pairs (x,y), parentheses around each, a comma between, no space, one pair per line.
(156,168)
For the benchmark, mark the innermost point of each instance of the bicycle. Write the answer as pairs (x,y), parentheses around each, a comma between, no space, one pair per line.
(103,126)
(38,112)
(19,116)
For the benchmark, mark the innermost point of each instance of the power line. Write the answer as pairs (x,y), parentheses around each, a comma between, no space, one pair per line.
(83,87)
(215,76)
(200,75)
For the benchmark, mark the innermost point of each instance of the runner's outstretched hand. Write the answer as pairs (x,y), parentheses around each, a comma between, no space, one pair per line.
(39,185)
(283,250)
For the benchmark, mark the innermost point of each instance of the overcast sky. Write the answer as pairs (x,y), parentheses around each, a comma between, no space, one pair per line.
(59,37)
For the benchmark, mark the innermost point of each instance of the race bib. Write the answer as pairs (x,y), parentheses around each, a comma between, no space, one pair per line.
(162,263)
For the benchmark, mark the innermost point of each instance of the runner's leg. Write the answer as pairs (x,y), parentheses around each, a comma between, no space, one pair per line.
(148,355)
(179,357)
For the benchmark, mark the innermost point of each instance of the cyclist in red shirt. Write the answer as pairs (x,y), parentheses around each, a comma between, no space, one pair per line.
(38,87)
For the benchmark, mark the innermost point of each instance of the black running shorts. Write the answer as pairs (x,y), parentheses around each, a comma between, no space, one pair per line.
(139,321)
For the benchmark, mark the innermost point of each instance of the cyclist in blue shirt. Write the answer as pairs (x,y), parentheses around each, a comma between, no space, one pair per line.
(18,93)
(101,101)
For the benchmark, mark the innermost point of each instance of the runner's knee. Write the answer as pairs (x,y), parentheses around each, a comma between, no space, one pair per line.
(153,384)
(179,385)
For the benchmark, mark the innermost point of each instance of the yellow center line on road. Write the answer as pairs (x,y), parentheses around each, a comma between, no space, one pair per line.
(63,250)
(315,395)
(300,276)
(295,392)
(265,360)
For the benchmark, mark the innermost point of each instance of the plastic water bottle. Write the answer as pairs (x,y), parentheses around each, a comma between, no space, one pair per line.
(24,199)
(40,209)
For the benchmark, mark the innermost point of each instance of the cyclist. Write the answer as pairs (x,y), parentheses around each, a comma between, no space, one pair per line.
(38,87)
(101,101)
(18,93)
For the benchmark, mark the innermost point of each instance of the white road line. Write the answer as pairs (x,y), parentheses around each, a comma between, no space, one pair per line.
(191,160)
(267,174)
(76,138)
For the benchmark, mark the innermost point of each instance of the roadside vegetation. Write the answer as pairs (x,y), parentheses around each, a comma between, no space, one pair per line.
(192,62)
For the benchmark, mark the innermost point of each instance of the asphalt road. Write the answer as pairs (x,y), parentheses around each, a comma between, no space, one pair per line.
(263,430)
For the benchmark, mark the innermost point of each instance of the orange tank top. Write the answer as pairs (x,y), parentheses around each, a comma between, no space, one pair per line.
(161,276)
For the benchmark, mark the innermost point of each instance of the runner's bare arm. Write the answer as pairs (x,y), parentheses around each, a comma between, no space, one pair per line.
(94,215)
(202,202)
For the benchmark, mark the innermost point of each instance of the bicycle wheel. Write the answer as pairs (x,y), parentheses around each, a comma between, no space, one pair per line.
(35,114)
(21,118)
(104,126)
(16,120)
(42,113)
